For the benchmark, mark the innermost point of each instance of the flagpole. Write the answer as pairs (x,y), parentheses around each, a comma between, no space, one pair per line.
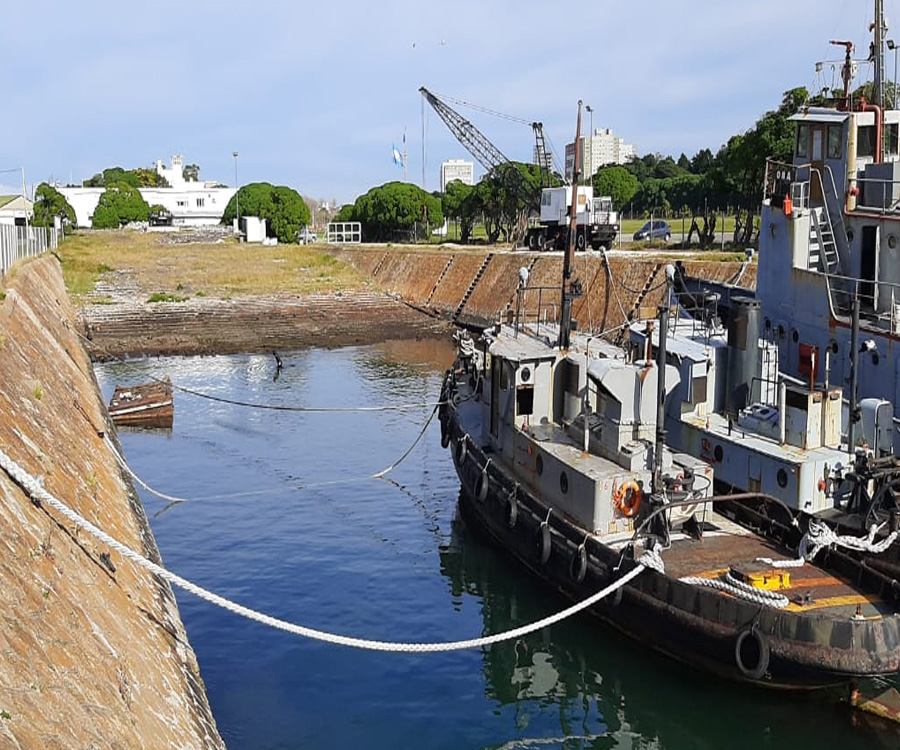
(404,155)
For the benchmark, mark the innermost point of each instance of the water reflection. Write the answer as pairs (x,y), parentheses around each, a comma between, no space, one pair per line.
(580,684)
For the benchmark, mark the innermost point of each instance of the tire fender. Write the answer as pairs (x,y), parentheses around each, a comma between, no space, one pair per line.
(751,653)
(460,451)
(578,565)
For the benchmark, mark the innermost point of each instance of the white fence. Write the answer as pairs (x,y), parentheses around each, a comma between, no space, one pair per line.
(19,242)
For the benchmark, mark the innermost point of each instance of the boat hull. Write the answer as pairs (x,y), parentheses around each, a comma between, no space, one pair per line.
(719,634)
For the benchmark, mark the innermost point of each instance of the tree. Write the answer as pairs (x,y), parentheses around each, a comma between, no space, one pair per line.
(507,195)
(395,208)
(459,202)
(191,172)
(140,177)
(119,204)
(282,208)
(50,203)
(616,182)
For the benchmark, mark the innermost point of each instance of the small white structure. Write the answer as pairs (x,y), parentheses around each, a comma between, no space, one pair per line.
(254,228)
(191,203)
(343,232)
(14,209)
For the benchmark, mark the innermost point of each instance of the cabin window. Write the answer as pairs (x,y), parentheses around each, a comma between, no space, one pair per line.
(890,139)
(865,141)
(835,141)
(525,400)
(803,140)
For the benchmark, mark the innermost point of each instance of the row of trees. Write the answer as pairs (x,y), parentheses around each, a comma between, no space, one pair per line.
(731,179)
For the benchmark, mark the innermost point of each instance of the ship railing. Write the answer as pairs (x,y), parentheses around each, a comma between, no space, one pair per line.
(841,290)
(545,311)
(880,196)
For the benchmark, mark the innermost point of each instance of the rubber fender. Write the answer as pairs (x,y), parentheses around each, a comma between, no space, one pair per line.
(751,653)
(578,565)
(482,484)
(512,510)
(460,451)
(543,543)
(445,433)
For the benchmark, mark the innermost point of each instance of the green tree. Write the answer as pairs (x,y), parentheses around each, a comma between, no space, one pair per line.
(616,182)
(119,204)
(140,177)
(459,202)
(507,195)
(50,203)
(282,207)
(191,172)
(396,208)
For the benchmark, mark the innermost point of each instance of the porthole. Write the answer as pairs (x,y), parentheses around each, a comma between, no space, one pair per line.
(526,374)
(539,464)
(892,241)
(718,454)
(849,235)
(781,478)
(795,335)
(563,482)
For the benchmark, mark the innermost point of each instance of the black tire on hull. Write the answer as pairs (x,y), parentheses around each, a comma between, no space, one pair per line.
(751,653)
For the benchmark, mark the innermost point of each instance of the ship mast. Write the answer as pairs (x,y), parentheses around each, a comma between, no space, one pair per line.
(878,49)
(570,287)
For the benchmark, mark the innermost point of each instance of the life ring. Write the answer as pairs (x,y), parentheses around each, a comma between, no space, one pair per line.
(627,498)
(751,653)
(482,484)
(578,565)
(543,544)
(460,451)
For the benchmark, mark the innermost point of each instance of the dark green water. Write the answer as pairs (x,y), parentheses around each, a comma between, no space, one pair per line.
(267,526)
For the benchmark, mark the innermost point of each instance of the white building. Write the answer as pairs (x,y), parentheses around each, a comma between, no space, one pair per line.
(14,209)
(457,169)
(190,203)
(600,149)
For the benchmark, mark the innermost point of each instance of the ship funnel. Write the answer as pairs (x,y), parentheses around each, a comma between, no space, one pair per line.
(743,352)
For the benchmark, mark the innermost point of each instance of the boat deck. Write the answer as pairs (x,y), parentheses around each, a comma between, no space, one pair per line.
(810,586)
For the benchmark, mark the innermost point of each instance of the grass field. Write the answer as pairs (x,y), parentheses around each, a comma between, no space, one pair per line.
(223,269)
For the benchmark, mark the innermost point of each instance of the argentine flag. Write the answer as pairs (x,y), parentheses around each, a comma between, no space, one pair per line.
(398,157)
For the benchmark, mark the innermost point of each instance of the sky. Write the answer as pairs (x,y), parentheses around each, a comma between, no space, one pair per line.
(314,95)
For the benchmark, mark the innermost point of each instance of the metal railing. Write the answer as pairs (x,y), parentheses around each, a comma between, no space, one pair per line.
(542,313)
(24,242)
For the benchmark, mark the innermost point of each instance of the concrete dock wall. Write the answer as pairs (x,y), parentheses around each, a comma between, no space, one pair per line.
(94,654)
(476,286)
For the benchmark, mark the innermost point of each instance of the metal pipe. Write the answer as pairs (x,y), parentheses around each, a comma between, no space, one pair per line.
(854,367)
(565,310)
(782,411)
(660,398)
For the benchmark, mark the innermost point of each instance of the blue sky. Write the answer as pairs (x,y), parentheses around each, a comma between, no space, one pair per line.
(313,95)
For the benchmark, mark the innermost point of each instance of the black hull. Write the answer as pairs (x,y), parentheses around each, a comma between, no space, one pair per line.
(728,637)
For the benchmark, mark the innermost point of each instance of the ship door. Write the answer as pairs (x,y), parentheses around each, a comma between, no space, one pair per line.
(817,165)
(867,268)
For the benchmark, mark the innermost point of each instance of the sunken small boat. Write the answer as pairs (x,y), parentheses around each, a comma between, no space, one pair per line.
(559,442)
(149,405)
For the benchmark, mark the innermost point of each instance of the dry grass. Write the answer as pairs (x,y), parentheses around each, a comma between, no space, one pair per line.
(149,265)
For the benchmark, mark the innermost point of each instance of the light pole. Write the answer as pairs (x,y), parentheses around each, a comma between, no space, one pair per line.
(237,198)
(893,47)
(590,110)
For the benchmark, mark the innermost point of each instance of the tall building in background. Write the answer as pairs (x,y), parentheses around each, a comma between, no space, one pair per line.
(600,149)
(457,169)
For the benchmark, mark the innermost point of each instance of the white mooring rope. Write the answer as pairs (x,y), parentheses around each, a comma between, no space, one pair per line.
(38,494)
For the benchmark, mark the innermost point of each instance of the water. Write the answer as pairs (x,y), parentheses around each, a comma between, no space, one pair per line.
(267,526)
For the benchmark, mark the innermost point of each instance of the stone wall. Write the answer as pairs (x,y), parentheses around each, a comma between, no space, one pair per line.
(94,654)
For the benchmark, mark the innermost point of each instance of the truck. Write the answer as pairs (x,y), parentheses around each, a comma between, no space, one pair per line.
(598,223)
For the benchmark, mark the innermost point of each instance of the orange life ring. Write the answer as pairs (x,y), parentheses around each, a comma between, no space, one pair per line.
(628,498)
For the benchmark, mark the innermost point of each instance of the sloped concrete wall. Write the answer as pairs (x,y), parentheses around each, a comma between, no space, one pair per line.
(94,653)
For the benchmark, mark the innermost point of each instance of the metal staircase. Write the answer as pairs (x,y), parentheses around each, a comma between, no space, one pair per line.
(823,252)
(481,270)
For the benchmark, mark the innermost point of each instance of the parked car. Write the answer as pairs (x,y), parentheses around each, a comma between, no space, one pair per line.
(660,230)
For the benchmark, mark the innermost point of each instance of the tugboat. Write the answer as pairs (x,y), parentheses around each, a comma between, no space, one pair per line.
(560,444)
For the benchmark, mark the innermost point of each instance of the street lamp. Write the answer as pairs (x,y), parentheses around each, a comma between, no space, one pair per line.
(590,110)
(893,47)
(237,198)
